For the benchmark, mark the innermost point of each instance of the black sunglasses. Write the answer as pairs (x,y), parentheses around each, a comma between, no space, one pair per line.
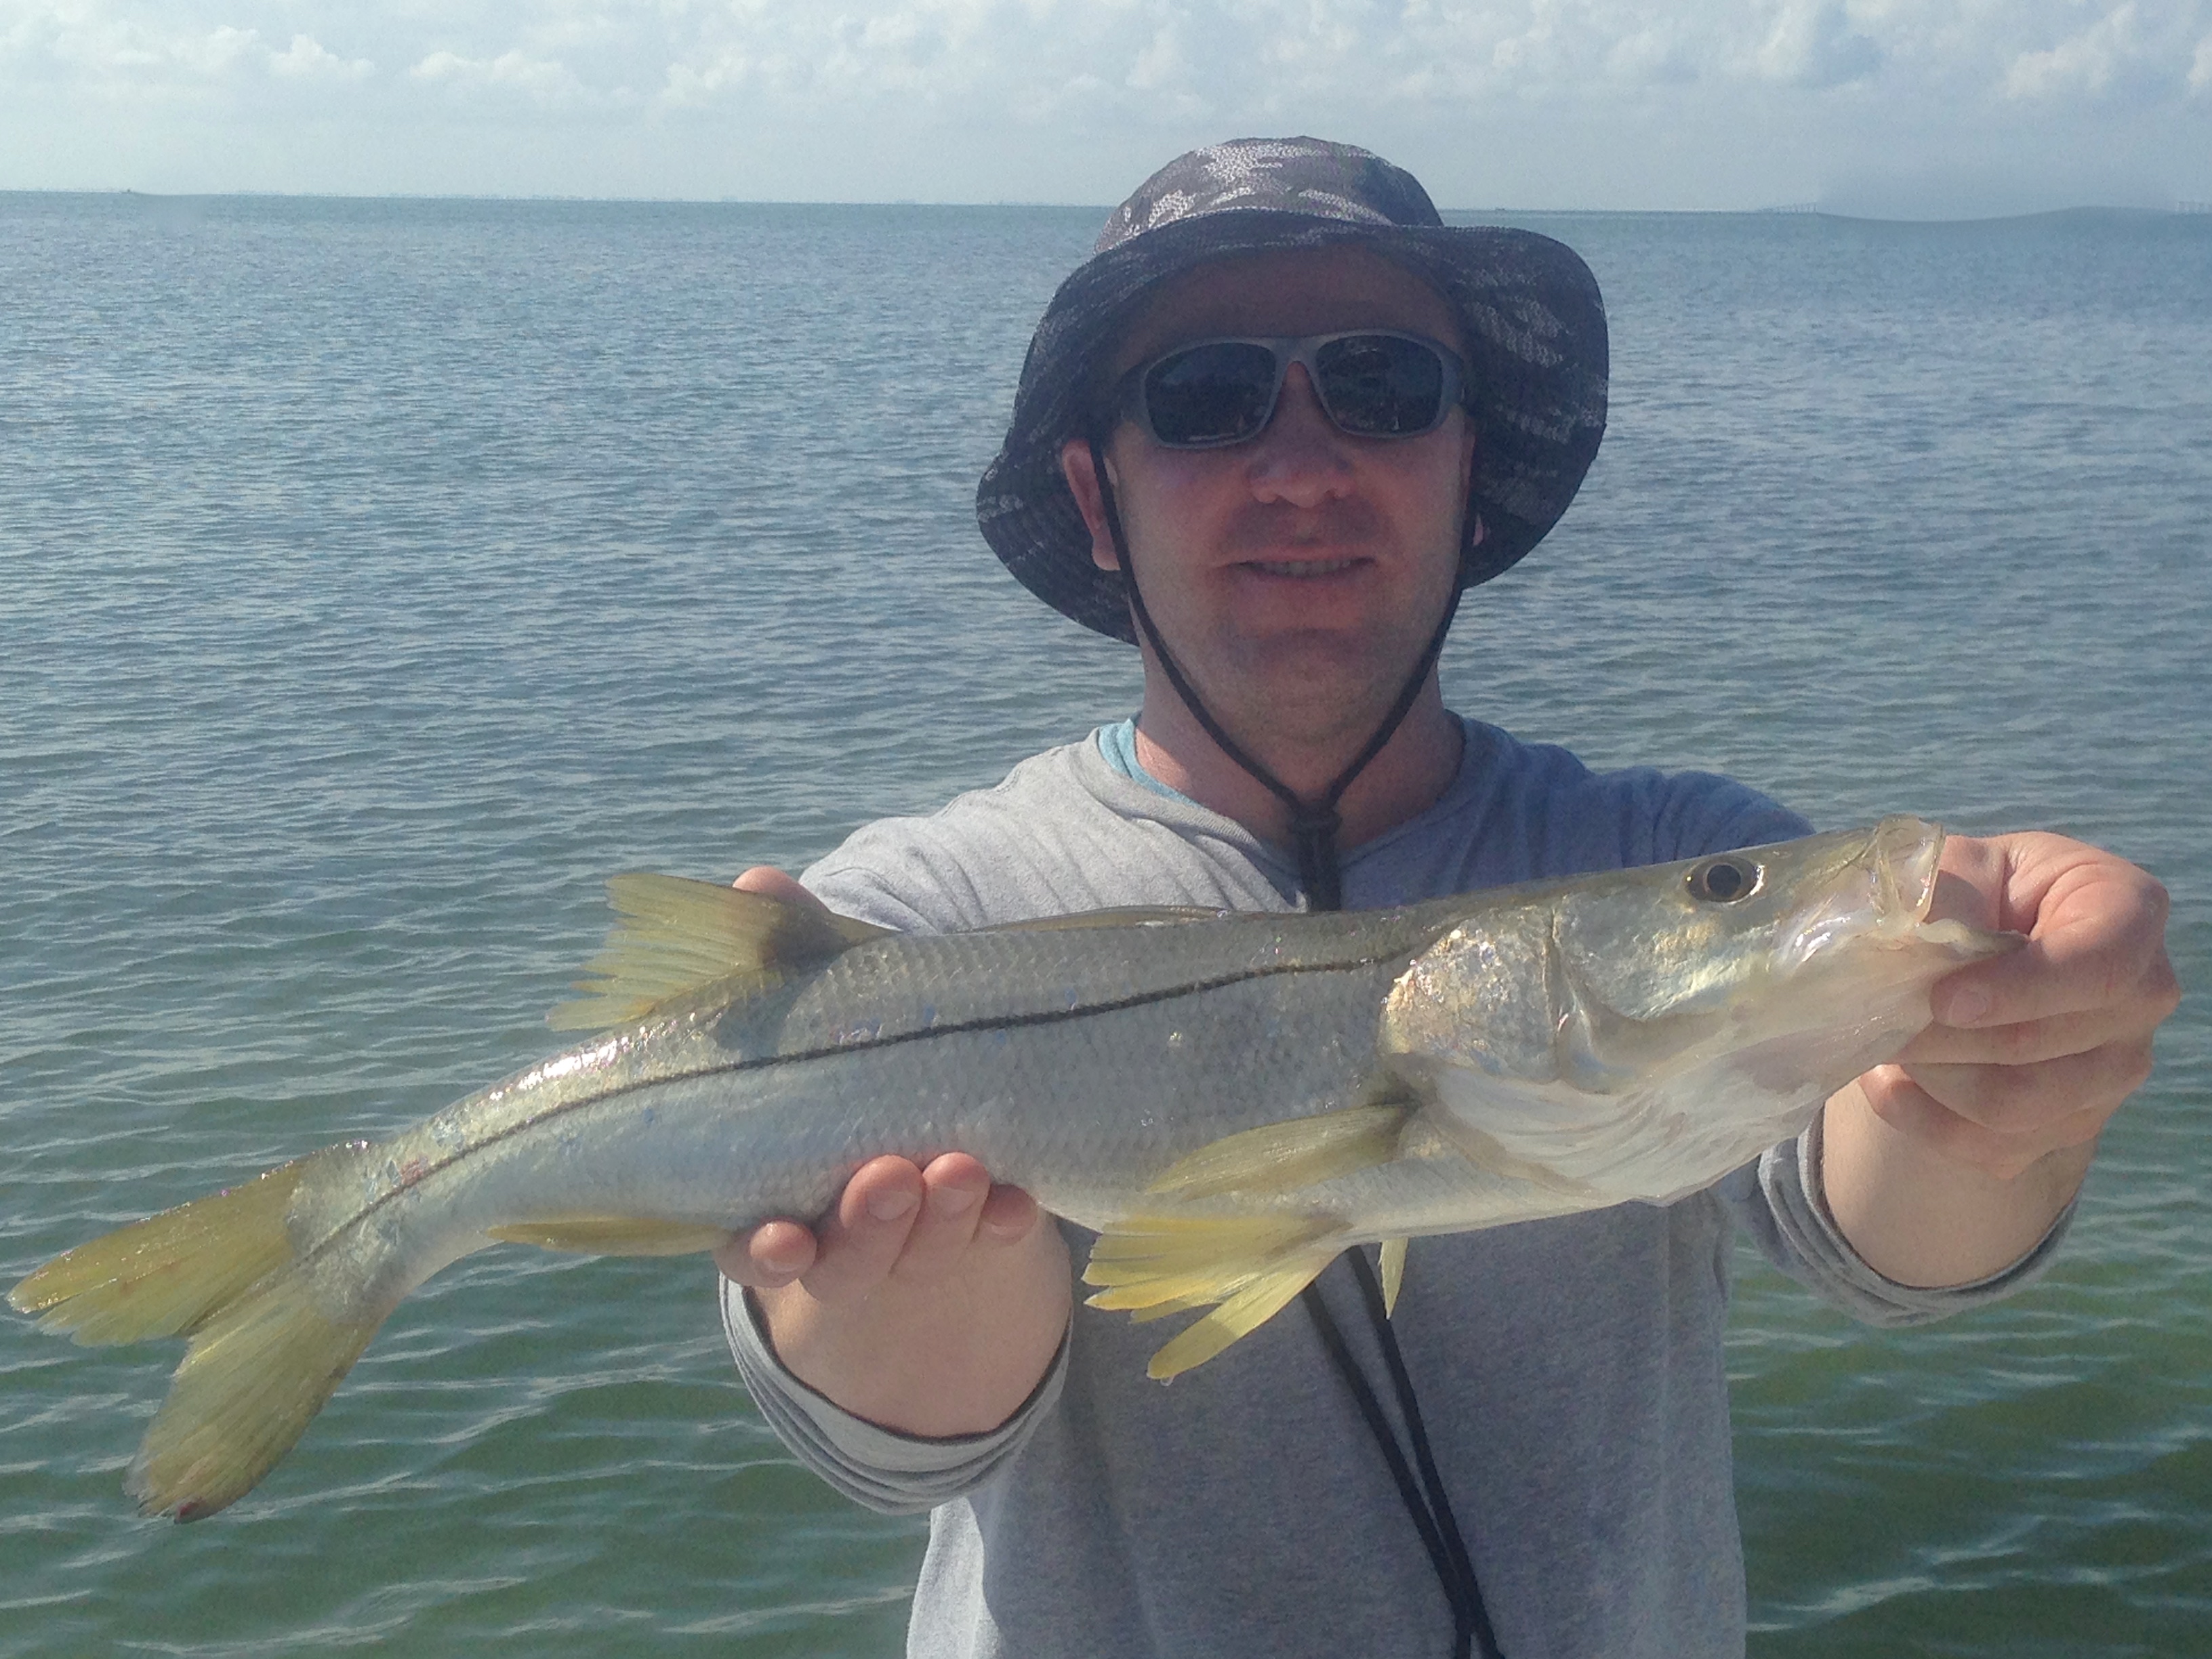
(1372,383)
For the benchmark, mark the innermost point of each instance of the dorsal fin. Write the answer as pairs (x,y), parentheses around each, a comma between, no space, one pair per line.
(676,936)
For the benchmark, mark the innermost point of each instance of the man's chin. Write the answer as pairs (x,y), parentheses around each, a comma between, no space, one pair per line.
(1321,668)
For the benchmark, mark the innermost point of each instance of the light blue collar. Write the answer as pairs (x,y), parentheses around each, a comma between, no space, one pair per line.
(1118,743)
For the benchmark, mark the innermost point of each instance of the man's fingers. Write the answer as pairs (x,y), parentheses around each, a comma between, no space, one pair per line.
(1905,1106)
(2084,967)
(2021,1100)
(953,1190)
(1009,1215)
(2029,1042)
(2096,931)
(771,1256)
(863,1235)
(893,1220)
(771,883)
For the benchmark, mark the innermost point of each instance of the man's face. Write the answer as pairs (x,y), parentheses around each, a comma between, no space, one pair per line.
(1296,576)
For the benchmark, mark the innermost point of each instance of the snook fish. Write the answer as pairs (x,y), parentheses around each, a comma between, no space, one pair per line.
(1229,1099)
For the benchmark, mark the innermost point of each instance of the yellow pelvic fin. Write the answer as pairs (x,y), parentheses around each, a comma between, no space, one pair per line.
(1158,1264)
(615,1235)
(676,936)
(162,1276)
(254,1378)
(1394,1274)
(1176,1304)
(1149,1260)
(1259,1301)
(1281,1157)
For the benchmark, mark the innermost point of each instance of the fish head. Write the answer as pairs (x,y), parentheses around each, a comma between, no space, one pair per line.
(1650,1029)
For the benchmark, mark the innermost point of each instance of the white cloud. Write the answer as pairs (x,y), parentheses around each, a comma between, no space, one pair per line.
(914,96)
(2082,63)
(1661,55)
(1813,43)
(541,80)
(106,44)
(308,59)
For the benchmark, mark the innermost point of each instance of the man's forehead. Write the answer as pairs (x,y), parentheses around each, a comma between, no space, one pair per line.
(1293,291)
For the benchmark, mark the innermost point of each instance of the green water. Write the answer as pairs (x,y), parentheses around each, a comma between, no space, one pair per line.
(380,575)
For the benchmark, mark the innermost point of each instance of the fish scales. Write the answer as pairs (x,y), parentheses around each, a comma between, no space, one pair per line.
(664,1132)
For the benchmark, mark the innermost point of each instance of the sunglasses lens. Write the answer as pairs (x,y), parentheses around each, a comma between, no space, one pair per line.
(1220,392)
(1377,386)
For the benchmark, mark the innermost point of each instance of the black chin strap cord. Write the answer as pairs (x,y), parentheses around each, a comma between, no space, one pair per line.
(1313,835)
(1314,823)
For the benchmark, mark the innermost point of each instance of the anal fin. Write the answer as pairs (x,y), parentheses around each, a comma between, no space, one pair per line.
(1394,1274)
(616,1235)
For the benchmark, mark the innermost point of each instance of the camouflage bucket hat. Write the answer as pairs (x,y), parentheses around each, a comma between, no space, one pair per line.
(1529,308)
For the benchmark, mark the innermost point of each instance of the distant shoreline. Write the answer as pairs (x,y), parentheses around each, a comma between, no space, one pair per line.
(2180,209)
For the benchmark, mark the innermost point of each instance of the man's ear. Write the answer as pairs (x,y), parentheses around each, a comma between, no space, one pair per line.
(1077,466)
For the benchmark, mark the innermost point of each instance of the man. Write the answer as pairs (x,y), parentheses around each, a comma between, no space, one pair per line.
(1269,433)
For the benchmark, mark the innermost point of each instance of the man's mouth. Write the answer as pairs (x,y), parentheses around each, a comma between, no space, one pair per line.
(1301,566)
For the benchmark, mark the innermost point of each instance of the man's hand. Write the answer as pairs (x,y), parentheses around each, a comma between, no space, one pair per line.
(1947,1165)
(930,1301)
(2034,1051)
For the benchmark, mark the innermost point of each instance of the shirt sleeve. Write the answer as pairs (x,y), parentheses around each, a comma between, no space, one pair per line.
(1780,1202)
(892,1472)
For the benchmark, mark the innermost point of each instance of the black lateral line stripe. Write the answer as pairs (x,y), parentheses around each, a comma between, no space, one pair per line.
(1042,1016)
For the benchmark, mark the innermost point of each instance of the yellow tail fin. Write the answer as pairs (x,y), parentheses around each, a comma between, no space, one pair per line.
(264,1355)
(253,1379)
(162,1276)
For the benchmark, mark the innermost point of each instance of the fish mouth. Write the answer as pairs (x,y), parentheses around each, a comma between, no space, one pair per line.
(1877,891)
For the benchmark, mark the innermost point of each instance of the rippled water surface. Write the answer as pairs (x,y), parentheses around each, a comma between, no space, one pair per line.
(375,577)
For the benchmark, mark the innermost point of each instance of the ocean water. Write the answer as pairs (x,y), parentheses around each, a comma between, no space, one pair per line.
(377,576)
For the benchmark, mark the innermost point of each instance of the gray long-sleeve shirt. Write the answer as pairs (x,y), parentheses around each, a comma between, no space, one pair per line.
(1569,1371)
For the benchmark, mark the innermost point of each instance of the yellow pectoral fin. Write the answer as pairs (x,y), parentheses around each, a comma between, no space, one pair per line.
(1394,1274)
(612,1235)
(1281,1157)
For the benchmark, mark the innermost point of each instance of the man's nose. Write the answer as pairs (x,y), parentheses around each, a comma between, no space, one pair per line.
(1300,457)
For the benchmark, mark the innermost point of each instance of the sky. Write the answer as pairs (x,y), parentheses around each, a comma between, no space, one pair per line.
(1902,108)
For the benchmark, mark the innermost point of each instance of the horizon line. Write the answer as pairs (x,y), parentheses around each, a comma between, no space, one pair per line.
(2179,207)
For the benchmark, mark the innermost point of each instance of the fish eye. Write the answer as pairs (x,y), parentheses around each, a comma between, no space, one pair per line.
(1724,880)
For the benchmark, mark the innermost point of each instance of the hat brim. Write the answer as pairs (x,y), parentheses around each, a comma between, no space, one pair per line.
(1534,335)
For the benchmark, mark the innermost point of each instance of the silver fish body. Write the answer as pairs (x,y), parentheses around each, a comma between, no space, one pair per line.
(1229,1101)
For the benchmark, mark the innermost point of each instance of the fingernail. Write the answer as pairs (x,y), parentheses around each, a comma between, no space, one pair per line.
(781,1266)
(889,1207)
(1966,1006)
(953,1200)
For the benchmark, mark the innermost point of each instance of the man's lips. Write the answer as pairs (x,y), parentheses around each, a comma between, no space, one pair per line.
(1300,567)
